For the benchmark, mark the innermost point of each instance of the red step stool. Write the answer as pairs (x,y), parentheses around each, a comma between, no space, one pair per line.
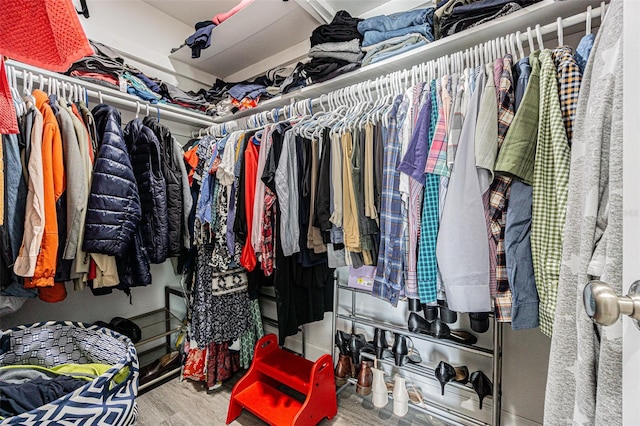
(257,391)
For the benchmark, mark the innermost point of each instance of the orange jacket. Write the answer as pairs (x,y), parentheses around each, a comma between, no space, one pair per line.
(54,185)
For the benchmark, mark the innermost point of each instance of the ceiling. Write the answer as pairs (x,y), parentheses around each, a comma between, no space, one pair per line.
(191,11)
(267,32)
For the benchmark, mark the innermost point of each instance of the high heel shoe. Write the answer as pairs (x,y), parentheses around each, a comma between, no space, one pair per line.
(446,314)
(430,312)
(446,373)
(380,343)
(400,348)
(417,324)
(439,330)
(482,385)
(479,321)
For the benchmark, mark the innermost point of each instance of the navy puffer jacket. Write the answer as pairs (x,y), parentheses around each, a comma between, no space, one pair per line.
(113,209)
(134,267)
(144,151)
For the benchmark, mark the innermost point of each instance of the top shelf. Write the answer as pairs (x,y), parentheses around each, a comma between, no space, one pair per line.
(545,12)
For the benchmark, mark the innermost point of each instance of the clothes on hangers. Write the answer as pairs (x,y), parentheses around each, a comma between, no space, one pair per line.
(85,203)
(440,138)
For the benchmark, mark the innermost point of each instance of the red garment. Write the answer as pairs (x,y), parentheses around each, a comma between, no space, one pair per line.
(248,256)
(268,238)
(93,270)
(221,363)
(194,367)
(221,17)
(53,294)
(246,103)
(191,157)
(8,120)
(44,33)
(107,78)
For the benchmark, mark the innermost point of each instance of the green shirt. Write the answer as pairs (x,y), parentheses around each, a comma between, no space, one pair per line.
(550,189)
(518,149)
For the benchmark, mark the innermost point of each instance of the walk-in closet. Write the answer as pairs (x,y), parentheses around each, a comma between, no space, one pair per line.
(319,212)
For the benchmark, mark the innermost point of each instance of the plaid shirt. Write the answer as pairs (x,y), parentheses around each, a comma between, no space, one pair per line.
(499,198)
(414,201)
(550,187)
(437,159)
(427,263)
(388,281)
(569,80)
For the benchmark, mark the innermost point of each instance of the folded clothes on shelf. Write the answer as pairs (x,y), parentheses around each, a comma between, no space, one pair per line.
(380,28)
(392,47)
(458,15)
(343,27)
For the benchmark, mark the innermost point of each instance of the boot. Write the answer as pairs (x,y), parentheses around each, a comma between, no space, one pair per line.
(357,342)
(342,341)
(365,378)
(379,389)
(379,342)
(343,370)
(400,349)
(400,397)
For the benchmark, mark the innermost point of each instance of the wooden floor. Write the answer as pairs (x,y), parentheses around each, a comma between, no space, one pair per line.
(178,403)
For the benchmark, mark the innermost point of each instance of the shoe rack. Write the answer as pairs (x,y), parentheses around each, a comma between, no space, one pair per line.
(449,413)
(158,327)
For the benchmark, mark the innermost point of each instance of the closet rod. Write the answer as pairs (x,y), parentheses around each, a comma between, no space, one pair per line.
(282,110)
(122,99)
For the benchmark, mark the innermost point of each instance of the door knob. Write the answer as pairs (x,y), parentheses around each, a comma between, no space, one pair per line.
(604,306)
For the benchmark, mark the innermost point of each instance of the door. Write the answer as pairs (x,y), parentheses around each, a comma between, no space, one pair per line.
(631,203)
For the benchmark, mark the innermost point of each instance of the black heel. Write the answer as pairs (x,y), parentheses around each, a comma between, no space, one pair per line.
(399,358)
(482,385)
(446,373)
(400,349)
(380,342)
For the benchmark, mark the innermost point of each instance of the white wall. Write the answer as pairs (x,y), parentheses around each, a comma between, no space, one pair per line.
(147,36)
